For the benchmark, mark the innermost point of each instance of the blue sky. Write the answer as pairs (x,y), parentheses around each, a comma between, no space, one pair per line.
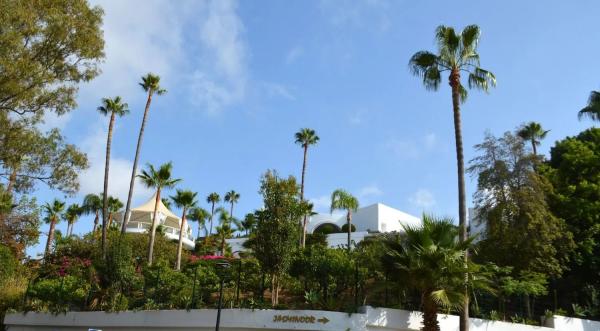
(243,77)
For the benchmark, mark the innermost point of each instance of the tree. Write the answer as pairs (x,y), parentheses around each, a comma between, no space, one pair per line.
(224,230)
(92,204)
(20,223)
(47,48)
(592,110)
(151,84)
(573,170)
(114,205)
(429,259)
(184,199)
(305,138)
(213,199)
(249,223)
(53,213)
(232,197)
(512,201)
(342,200)
(276,236)
(533,133)
(456,53)
(158,180)
(28,156)
(113,107)
(199,215)
(71,215)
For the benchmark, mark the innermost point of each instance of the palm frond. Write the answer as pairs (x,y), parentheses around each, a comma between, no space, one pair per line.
(592,110)
(481,79)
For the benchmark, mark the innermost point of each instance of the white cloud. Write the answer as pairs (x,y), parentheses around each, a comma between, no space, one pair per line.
(51,120)
(370,191)
(278,90)
(423,199)
(358,13)
(430,140)
(293,54)
(92,179)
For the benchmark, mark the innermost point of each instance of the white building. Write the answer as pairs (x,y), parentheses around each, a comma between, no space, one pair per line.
(141,221)
(376,218)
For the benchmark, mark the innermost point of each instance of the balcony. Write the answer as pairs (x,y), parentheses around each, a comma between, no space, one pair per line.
(170,233)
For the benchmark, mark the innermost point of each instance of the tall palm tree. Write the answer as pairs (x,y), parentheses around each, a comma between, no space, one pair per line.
(533,133)
(342,200)
(429,259)
(114,205)
(113,107)
(159,180)
(213,199)
(457,53)
(249,223)
(199,215)
(224,230)
(53,213)
(92,204)
(184,199)
(592,110)
(71,215)
(305,138)
(232,197)
(151,84)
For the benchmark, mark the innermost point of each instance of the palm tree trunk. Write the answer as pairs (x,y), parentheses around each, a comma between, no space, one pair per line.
(96,219)
(153,229)
(212,214)
(126,215)
(180,243)
(462,203)
(533,146)
(302,195)
(105,194)
(50,238)
(349,221)
(12,179)
(69,229)
(430,322)
(231,209)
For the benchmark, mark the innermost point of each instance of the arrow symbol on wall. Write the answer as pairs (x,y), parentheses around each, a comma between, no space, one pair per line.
(323,320)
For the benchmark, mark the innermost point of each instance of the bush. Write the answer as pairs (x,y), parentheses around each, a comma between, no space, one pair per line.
(345,228)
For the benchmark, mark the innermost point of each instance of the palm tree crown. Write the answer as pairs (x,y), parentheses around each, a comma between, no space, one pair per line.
(199,215)
(534,133)
(213,198)
(342,200)
(113,106)
(456,53)
(592,110)
(92,204)
(306,137)
(184,198)
(71,215)
(53,210)
(151,83)
(160,178)
(232,197)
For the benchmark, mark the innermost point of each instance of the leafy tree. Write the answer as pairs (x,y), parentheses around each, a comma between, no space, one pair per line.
(430,260)
(53,213)
(573,170)
(71,215)
(592,110)
(47,48)
(305,138)
(276,235)
(532,132)
(151,84)
(184,199)
(213,199)
(92,204)
(113,107)
(456,53)
(28,156)
(512,201)
(114,205)
(232,197)
(342,200)
(249,223)
(199,215)
(158,179)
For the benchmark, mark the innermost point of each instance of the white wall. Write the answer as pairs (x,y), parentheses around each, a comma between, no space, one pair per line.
(563,323)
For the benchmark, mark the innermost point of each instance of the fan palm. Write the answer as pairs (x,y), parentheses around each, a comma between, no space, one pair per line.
(213,199)
(184,199)
(114,205)
(92,204)
(342,200)
(429,259)
(158,179)
(592,110)
(232,197)
(224,230)
(533,133)
(305,138)
(151,84)
(199,215)
(249,223)
(457,53)
(113,107)
(71,215)
(53,213)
